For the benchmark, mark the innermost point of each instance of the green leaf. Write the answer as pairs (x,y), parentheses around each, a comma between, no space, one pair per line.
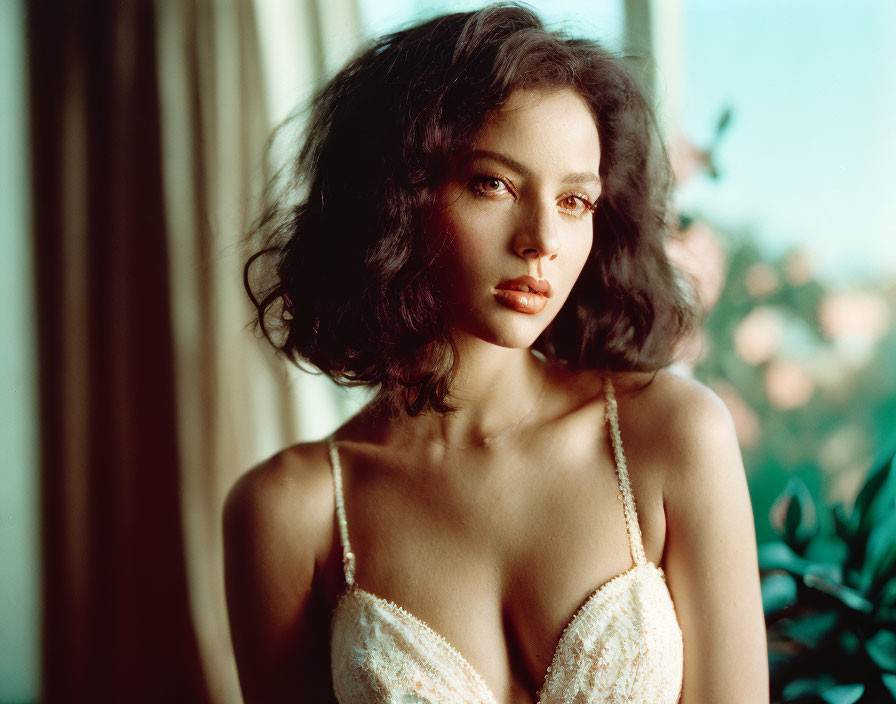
(778,555)
(843,523)
(877,497)
(777,661)
(849,642)
(880,553)
(844,694)
(807,686)
(827,549)
(849,597)
(800,519)
(724,121)
(890,683)
(778,591)
(881,648)
(812,629)
(887,597)
(830,573)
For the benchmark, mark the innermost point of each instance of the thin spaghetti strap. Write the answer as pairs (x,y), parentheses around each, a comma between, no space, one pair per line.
(348,557)
(628,500)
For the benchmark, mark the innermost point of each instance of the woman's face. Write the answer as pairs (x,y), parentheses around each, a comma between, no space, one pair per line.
(520,204)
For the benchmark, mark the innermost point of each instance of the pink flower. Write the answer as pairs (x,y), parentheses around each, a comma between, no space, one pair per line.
(686,159)
(757,337)
(858,315)
(698,252)
(798,268)
(787,385)
(761,280)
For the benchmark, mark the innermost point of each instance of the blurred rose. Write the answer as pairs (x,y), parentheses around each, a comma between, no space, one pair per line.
(761,280)
(787,385)
(833,372)
(746,422)
(686,159)
(860,315)
(798,268)
(698,252)
(758,335)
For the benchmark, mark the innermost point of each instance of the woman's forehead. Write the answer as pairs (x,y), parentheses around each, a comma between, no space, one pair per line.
(540,127)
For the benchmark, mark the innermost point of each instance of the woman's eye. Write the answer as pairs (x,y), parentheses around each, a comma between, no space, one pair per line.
(488,185)
(575,205)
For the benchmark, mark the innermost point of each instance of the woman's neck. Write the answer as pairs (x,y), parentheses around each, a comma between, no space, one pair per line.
(496,391)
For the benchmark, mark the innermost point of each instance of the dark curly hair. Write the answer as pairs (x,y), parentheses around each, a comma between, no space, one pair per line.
(343,276)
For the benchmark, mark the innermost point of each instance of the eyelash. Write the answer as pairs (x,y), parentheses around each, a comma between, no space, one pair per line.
(477,182)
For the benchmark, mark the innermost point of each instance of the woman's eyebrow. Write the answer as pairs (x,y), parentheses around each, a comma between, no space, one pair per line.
(580,178)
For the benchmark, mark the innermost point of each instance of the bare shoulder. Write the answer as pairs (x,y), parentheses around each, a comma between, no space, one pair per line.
(678,401)
(277,526)
(288,494)
(678,426)
(686,434)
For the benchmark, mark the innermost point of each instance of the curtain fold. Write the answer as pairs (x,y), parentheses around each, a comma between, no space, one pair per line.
(237,402)
(116,626)
(149,122)
(214,131)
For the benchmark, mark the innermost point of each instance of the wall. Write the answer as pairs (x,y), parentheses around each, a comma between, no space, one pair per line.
(19,570)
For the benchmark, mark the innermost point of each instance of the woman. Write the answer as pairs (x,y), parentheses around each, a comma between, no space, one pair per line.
(479,237)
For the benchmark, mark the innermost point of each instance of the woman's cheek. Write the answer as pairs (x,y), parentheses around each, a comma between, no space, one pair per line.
(473,242)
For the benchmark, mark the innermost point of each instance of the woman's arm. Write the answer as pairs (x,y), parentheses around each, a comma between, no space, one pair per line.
(277,520)
(711,563)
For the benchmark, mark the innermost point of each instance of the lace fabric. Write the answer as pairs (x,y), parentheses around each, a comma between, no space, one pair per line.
(623,644)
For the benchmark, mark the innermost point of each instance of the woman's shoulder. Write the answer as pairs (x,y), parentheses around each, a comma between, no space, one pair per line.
(664,398)
(673,423)
(669,397)
(287,498)
(296,471)
(277,525)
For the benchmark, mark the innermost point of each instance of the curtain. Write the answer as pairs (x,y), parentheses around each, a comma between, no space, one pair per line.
(148,126)
(116,622)
(214,129)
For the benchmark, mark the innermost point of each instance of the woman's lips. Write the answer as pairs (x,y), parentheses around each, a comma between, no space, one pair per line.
(524,294)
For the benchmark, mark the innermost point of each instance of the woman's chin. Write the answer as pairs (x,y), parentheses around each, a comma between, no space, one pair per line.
(516,335)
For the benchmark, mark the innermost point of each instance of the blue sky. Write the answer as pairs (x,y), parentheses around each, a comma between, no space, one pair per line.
(810,155)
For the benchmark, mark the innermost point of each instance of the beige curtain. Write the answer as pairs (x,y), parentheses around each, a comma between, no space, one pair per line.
(148,123)
(116,623)
(225,68)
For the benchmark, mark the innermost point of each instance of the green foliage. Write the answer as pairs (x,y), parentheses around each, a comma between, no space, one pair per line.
(844,423)
(812,397)
(829,595)
(722,126)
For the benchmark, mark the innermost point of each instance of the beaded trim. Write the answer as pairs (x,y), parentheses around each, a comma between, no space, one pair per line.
(348,557)
(471,672)
(628,500)
(576,619)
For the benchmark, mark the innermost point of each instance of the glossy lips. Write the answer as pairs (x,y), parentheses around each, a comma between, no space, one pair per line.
(524,294)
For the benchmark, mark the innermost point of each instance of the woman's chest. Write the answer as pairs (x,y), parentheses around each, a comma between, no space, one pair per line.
(496,562)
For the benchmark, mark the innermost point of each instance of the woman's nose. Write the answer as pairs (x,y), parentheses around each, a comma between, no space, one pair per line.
(537,235)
